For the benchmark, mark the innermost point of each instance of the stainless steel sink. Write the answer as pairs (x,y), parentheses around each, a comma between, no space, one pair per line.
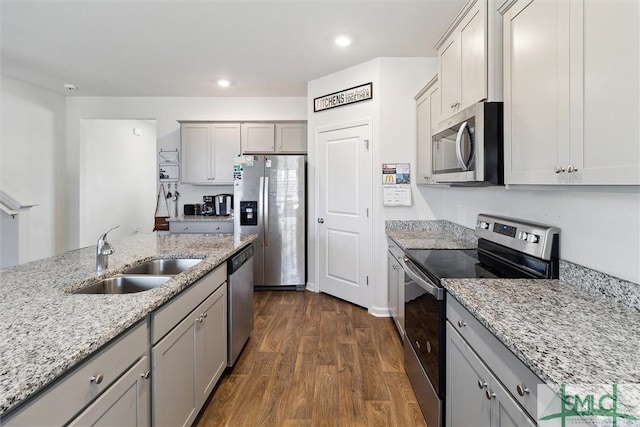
(124,284)
(164,266)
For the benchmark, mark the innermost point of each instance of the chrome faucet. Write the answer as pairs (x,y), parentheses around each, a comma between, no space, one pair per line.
(103,250)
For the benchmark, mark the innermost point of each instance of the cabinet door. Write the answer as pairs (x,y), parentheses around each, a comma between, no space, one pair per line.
(211,343)
(505,410)
(605,131)
(291,138)
(225,146)
(196,153)
(473,56)
(427,117)
(536,85)
(449,76)
(392,286)
(174,399)
(258,137)
(467,382)
(125,403)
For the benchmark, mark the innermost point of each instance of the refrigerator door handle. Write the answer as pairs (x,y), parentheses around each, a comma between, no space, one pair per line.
(260,212)
(265,209)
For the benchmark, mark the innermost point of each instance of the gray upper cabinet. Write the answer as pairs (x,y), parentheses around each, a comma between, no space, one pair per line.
(208,152)
(571,88)
(470,58)
(258,138)
(276,137)
(427,116)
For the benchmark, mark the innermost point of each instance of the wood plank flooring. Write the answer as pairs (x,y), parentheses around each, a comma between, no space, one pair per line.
(315,360)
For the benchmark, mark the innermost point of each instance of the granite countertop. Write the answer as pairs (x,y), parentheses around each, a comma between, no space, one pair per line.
(562,333)
(436,234)
(582,329)
(201,218)
(46,330)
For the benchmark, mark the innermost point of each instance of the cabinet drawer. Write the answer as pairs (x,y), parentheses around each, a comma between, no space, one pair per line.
(201,227)
(505,365)
(58,404)
(169,315)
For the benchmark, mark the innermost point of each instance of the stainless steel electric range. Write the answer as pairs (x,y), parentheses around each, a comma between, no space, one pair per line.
(507,248)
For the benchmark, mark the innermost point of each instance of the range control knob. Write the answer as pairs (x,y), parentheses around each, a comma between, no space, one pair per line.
(523,235)
(533,238)
(483,225)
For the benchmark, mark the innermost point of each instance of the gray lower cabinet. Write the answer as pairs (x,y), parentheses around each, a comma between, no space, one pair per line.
(474,396)
(126,403)
(110,388)
(395,290)
(486,385)
(205,227)
(188,361)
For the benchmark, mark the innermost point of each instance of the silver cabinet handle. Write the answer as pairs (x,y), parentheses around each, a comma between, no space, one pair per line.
(481,383)
(320,220)
(145,375)
(204,315)
(571,169)
(185,228)
(462,323)
(97,379)
(522,389)
(559,169)
(489,394)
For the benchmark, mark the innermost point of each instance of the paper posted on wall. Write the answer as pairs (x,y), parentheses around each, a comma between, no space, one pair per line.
(396,180)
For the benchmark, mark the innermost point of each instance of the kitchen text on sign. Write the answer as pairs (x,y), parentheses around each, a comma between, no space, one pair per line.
(348,96)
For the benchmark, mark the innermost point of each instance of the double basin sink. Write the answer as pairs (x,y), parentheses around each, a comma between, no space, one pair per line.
(142,277)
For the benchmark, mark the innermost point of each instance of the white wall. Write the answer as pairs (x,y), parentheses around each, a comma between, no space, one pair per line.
(392,113)
(117,178)
(32,153)
(165,111)
(600,226)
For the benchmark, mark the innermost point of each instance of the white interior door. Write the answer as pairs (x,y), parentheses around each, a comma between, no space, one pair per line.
(343,228)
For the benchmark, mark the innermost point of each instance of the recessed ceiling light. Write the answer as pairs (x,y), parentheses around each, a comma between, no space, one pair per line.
(223,83)
(343,41)
(70,87)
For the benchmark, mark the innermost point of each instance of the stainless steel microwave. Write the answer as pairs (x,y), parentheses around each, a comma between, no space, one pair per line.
(467,149)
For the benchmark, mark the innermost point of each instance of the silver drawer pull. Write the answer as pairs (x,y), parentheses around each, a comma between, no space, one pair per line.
(462,323)
(489,394)
(186,228)
(97,379)
(145,375)
(522,389)
(481,383)
(204,315)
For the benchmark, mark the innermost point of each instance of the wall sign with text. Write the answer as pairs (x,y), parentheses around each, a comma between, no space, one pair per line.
(344,97)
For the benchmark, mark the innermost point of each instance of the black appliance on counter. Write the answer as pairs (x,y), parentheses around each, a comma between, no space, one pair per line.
(507,248)
(223,204)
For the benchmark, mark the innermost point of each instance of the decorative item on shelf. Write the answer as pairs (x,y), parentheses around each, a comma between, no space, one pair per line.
(169,167)
(161,223)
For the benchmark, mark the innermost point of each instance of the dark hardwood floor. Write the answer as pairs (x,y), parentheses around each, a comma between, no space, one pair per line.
(315,360)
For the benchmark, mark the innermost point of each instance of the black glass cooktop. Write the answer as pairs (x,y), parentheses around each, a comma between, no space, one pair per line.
(442,263)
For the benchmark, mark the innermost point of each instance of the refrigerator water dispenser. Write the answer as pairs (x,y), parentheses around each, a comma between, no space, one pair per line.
(248,213)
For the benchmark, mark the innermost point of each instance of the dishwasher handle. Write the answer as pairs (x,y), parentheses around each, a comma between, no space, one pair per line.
(236,261)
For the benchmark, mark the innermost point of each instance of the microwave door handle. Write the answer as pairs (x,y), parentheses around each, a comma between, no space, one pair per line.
(463,164)
(422,281)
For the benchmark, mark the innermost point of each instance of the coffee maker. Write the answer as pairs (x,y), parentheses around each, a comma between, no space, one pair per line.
(223,204)
(208,206)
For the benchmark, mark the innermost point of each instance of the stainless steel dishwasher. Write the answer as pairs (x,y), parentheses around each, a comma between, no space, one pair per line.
(240,302)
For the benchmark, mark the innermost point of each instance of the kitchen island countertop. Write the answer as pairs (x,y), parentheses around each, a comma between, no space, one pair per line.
(46,330)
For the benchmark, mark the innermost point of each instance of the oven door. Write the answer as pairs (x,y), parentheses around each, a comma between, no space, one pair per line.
(424,350)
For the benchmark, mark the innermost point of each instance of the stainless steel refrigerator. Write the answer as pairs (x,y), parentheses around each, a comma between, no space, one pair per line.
(270,200)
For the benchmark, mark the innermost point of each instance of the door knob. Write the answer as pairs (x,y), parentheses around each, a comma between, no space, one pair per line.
(320,220)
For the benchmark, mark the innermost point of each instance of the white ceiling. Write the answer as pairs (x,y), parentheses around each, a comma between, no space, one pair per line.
(181,48)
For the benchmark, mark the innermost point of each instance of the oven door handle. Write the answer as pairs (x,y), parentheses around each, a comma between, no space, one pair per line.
(422,281)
